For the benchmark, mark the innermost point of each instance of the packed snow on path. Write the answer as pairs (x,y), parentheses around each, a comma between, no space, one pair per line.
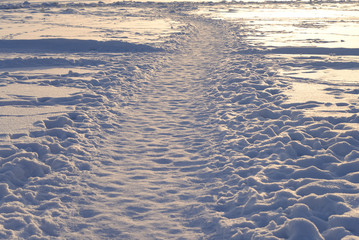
(133,120)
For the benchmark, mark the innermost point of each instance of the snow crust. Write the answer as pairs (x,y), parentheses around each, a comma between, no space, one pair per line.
(200,134)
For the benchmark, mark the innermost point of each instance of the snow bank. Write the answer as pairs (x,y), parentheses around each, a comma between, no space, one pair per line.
(316,51)
(72,45)
(21,62)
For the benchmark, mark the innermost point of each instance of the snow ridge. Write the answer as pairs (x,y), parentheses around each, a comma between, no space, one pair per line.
(72,45)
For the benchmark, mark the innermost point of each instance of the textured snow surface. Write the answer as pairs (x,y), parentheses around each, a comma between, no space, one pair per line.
(197,135)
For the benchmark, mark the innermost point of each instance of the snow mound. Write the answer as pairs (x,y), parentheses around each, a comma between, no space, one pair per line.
(299,229)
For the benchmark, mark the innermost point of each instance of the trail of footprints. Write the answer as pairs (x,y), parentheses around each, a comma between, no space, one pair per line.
(197,144)
(161,142)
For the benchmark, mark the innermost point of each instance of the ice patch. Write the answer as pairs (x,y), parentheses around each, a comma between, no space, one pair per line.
(34,91)
(21,104)
(323,102)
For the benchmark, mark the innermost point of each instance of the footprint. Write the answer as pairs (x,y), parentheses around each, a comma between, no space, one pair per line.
(88,213)
(138,177)
(158,150)
(177,155)
(163,161)
(149,129)
(138,209)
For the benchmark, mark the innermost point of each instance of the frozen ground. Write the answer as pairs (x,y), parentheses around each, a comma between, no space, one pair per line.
(178,121)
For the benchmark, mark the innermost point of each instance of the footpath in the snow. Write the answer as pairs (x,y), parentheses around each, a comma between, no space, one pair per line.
(194,142)
(162,144)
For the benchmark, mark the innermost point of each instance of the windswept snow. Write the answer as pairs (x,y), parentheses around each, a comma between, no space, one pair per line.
(191,129)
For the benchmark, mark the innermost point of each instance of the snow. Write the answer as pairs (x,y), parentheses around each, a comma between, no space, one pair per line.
(169,120)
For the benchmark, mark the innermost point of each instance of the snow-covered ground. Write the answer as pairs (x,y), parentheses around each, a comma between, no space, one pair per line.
(133,120)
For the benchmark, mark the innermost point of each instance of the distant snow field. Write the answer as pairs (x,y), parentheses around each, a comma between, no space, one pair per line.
(179,120)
